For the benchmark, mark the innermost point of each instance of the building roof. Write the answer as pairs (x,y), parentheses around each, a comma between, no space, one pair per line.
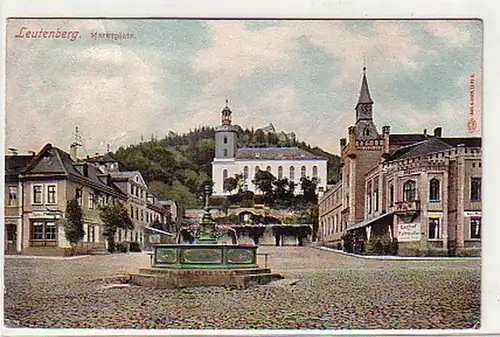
(15,164)
(103,158)
(403,139)
(275,153)
(431,145)
(52,160)
(364,94)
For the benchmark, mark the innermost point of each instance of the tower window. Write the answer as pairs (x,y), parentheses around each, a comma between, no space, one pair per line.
(280,172)
(268,169)
(292,173)
(434,190)
(225,152)
(303,172)
(225,139)
(245,172)
(224,175)
(366,131)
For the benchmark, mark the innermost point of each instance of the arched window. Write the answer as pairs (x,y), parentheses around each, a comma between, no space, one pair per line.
(366,131)
(245,172)
(409,191)
(391,195)
(268,169)
(303,172)
(315,171)
(280,172)
(434,190)
(292,173)
(225,139)
(224,175)
(257,169)
(225,152)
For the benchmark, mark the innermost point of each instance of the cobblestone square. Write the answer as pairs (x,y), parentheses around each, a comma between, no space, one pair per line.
(333,291)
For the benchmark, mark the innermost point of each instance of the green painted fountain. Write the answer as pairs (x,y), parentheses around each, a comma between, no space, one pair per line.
(206,262)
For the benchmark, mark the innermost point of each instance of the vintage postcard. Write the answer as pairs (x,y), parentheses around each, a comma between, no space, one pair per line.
(243,174)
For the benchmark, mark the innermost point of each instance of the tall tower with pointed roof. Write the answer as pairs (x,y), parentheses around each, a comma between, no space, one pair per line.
(365,127)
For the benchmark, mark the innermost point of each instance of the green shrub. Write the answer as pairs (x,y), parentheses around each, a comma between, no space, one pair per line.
(122,247)
(135,247)
(378,247)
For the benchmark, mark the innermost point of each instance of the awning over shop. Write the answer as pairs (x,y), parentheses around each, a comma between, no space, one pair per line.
(369,221)
(159,231)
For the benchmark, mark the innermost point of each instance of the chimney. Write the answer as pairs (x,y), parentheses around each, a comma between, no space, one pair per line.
(386,130)
(32,153)
(73,152)
(438,132)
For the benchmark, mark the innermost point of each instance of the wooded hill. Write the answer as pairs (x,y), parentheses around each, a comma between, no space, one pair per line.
(178,166)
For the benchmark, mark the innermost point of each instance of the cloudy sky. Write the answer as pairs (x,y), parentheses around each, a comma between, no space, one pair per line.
(174,75)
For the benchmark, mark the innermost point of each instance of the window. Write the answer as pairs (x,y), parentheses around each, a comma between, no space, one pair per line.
(409,191)
(434,232)
(136,237)
(12,195)
(391,195)
(51,194)
(37,194)
(44,230)
(292,173)
(225,139)
(137,213)
(224,175)
(366,131)
(147,218)
(119,235)
(375,200)
(268,169)
(475,189)
(303,172)
(369,201)
(245,172)
(434,190)
(142,193)
(131,212)
(475,228)
(92,201)
(79,196)
(315,172)
(280,172)
(142,215)
(225,152)
(257,169)
(132,189)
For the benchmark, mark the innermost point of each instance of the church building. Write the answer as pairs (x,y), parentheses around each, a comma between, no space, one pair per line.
(283,162)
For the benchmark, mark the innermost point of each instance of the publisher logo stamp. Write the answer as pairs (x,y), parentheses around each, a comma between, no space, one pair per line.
(471,123)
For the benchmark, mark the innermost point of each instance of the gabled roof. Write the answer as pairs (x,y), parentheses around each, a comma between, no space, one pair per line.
(15,164)
(430,145)
(275,153)
(54,161)
(406,138)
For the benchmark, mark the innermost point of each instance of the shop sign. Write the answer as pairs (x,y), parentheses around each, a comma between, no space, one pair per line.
(409,232)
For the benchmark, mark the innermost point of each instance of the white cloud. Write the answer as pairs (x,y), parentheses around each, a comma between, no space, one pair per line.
(449,31)
(112,93)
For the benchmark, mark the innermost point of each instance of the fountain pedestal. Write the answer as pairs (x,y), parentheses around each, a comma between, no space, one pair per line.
(204,263)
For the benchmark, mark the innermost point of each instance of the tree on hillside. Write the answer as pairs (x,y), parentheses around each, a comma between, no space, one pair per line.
(308,187)
(73,223)
(259,137)
(114,216)
(263,180)
(284,191)
(230,184)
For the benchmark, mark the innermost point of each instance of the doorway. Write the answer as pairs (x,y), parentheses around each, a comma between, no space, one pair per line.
(10,238)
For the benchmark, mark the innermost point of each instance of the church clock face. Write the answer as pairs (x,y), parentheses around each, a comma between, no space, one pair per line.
(225,127)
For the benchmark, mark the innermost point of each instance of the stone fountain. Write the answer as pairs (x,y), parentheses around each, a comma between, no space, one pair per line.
(206,262)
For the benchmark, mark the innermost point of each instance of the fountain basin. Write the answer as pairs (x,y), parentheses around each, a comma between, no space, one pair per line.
(205,256)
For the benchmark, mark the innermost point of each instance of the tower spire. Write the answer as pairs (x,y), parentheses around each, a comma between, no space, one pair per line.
(364,94)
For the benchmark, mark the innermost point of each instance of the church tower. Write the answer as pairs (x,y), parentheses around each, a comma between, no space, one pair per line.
(365,127)
(226,137)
